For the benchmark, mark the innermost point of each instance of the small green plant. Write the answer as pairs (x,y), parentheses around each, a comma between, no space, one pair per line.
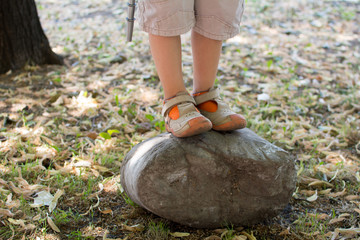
(160,125)
(61,217)
(77,235)
(107,135)
(158,231)
(228,234)
(127,199)
(348,15)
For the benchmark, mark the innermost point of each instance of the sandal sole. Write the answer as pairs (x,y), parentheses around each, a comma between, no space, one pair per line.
(194,127)
(237,122)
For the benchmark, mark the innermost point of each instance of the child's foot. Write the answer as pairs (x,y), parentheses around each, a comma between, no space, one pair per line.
(182,118)
(219,113)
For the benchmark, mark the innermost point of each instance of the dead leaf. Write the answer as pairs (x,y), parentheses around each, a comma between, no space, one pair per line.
(133,228)
(43,198)
(180,234)
(241,237)
(336,220)
(52,224)
(213,237)
(337,194)
(250,237)
(5,212)
(357,210)
(307,192)
(107,211)
(322,216)
(312,198)
(325,192)
(349,231)
(36,218)
(219,230)
(344,215)
(319,183)
(285,232)
(54,201)
(92,135)
(29,227)
(20,222)
(352,197)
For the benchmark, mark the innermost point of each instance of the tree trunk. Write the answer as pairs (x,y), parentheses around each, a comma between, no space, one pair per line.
(22,39)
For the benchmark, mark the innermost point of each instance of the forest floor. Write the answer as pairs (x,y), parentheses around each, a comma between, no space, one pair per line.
(293,72)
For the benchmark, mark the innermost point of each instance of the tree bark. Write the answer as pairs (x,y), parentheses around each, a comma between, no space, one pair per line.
(22,39)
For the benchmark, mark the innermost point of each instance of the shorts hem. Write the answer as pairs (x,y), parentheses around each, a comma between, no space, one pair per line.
(167,33)
(216,36)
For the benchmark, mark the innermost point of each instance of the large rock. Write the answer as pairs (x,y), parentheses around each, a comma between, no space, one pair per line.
(209,180)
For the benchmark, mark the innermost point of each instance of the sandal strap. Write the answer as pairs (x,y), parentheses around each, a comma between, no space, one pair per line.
(213,93)
(179,98)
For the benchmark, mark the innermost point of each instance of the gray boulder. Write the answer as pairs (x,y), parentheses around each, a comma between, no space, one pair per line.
(210,180)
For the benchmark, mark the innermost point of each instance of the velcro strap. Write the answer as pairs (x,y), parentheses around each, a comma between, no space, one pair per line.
(175,101)
(211,95)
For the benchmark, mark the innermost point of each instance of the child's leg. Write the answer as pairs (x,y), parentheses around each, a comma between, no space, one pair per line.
(206,53)
(181,116)
(166,52)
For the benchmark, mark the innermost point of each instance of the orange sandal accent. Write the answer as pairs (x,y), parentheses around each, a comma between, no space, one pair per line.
(219,113)
(182,118)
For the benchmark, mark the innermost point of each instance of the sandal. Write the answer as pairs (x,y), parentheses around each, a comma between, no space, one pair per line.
(182,118)
(218,112)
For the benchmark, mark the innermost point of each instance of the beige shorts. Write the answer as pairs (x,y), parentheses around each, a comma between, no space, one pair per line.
(215,19)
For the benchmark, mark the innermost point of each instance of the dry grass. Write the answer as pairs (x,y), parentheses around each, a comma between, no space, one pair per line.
(293,72)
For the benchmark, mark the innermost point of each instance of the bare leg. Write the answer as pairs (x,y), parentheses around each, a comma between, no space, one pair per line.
(206,54)
(166,52)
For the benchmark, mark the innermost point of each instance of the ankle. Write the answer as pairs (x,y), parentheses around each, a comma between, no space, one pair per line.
(168,97)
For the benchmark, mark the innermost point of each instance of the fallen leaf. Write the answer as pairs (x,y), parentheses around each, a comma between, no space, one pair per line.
(352,197)
(357,210)
(322,216)
(336,220)
(92,135)
(307,192)
(263,97)
(337,194)
(344,215)
(320,184)
(213,237)
(284,232)
(29,227)
(250,237)
(134,228)
(179,234)
(54,201)
(241,237)
(17,222)
(219,230)
(43,198)
(36,218)
(107,211)
(325,192)
(349,231)
(6,212)
(312,198)
(52,224)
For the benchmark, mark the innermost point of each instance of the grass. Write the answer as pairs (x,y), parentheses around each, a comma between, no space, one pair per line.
(70,128)
(158,231)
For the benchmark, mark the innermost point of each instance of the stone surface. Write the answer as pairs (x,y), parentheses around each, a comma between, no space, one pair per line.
(210,180)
